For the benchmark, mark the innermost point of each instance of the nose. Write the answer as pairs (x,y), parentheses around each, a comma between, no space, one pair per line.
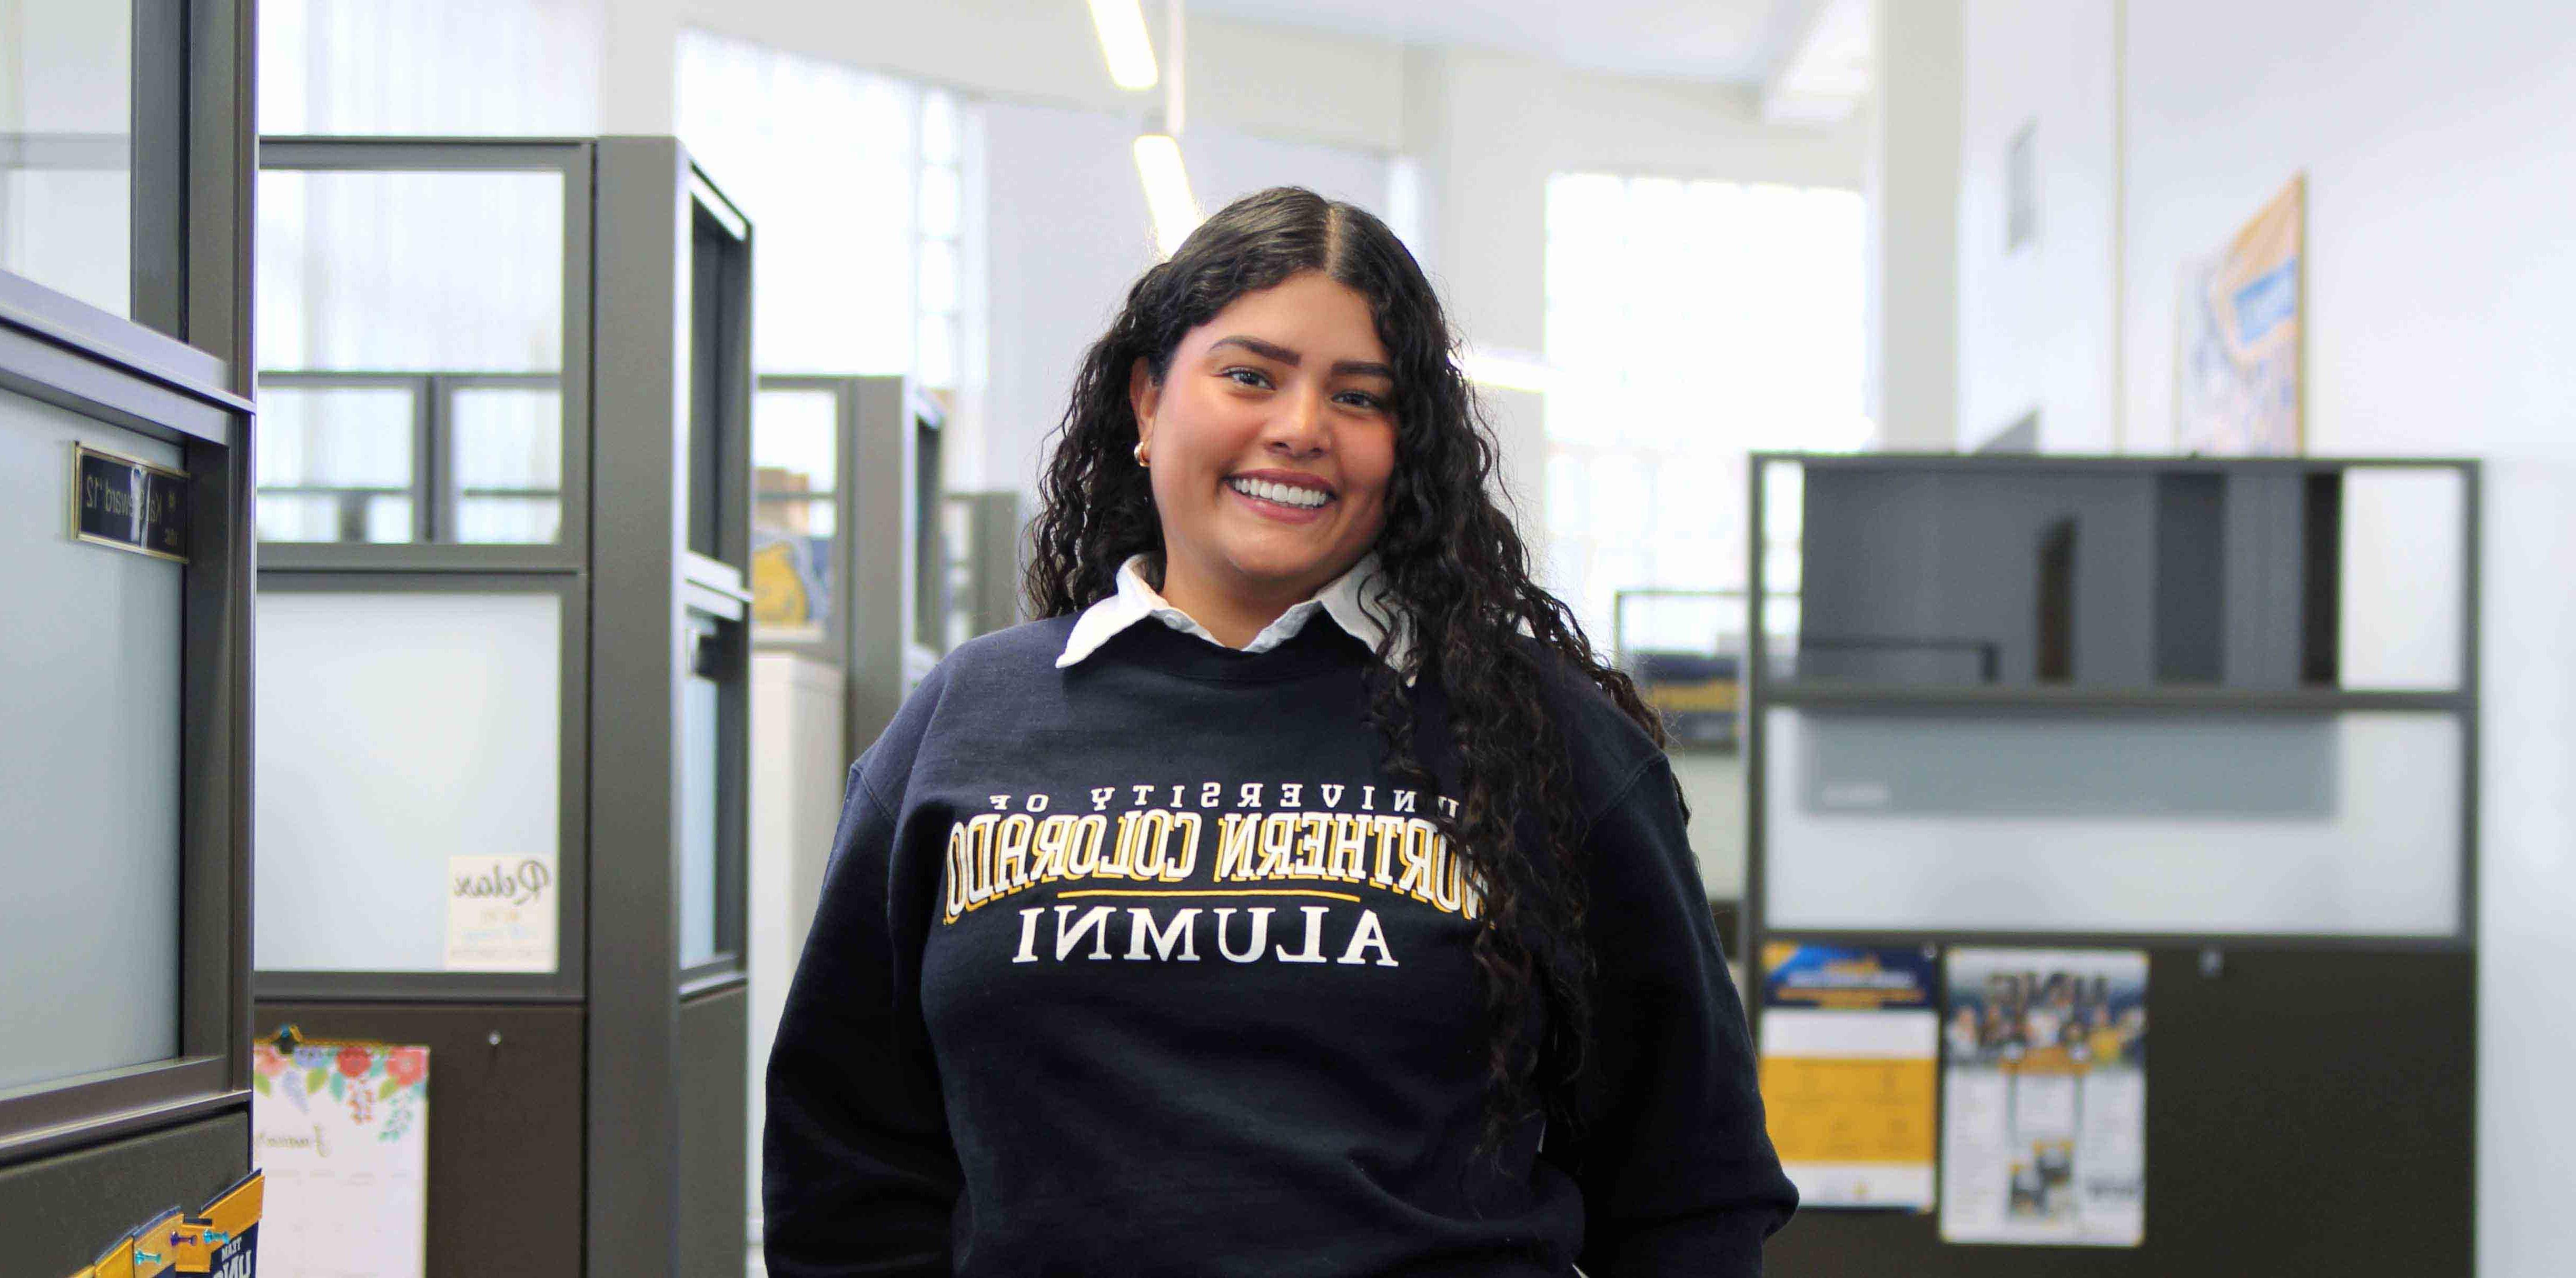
(1298,428)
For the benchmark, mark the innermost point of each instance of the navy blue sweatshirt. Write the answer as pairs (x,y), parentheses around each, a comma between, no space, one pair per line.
(1144,966)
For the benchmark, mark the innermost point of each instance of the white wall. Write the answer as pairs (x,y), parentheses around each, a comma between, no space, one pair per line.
(1913,184)
(1488,128)
(2036,325)
(1068,232)
(2438,272)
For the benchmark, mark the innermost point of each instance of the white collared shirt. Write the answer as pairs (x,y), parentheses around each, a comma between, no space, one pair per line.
(1356,601)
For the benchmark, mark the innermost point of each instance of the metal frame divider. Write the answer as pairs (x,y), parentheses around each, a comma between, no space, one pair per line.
(833,645)
(560,567)
(434,489)
(884,656)
(176,371)
(879,525)
(645,582)
(573,158)
(59,352)
(572,849)
(1763,693)
(631,583)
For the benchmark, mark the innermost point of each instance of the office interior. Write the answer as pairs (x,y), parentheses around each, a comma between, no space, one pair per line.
(566,428)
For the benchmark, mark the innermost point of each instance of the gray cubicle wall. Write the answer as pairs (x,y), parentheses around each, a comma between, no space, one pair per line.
(125,978)
(2221,711)
(668,1035)
(506,599)
(887,560)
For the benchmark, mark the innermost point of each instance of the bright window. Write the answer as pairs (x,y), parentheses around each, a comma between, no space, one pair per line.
(1689,323)
(854,183)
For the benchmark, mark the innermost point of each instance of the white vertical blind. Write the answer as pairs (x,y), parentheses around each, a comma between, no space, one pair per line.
(429,68)
(850,181)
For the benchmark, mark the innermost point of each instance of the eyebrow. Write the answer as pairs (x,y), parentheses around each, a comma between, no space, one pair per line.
(1281,354)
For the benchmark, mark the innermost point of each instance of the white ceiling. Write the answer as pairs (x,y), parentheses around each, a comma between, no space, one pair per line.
(1723,41)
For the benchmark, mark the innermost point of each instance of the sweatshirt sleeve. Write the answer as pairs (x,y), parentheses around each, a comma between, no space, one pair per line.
(858,1171)
(1676,1168)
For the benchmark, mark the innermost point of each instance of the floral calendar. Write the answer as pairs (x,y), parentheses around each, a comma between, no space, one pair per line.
(341,1131)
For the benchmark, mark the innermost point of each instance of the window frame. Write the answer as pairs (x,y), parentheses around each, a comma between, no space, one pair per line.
(434,492)
(575,161)
(830,643)
(717,586)
(566,983)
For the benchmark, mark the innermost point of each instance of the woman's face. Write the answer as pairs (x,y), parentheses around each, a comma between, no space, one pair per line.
(1270,442)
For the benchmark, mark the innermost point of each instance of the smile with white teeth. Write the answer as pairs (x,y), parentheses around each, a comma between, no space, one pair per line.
(1284,494)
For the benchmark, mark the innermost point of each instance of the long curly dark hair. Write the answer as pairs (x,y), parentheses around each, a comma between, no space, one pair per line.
(1455,565)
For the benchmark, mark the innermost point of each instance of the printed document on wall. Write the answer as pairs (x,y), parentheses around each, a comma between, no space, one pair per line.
(341,1129)
(2044,1095)
(1849,1039)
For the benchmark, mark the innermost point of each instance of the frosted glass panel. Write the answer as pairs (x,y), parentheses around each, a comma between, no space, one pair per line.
(67,147)
(2151,823)
(89,769)
(411,272)
(397,731)
(701,814)
(2403,591)
(336,463)
(508,462)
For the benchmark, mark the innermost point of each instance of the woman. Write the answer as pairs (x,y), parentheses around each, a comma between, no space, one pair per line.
(1300,895)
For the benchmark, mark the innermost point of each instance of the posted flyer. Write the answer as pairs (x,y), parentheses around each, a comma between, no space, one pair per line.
(1849,1043)
(501,914)
(341,1130)
(2044,1097)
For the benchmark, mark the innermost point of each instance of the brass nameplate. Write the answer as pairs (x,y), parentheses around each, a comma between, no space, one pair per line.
(128,504)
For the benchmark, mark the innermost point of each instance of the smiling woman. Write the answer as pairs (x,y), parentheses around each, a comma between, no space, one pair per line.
(1276,438)
(1290,666)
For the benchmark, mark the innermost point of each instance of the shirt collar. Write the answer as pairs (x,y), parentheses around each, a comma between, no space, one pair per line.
(1356,601)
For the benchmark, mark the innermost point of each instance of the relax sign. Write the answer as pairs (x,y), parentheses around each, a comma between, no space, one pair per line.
(501,914)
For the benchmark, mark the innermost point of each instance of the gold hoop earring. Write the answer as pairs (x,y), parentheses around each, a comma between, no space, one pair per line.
(1140,455)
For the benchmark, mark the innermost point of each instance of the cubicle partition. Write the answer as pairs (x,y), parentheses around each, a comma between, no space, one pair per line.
(2014,715)
(126,431)
(503,598)
(854,555)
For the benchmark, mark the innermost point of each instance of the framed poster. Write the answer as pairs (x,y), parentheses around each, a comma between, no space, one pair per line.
(2237,364)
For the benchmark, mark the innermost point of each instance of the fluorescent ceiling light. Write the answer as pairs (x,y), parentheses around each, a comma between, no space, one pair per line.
(1167,189)
(1121,24)
(1508,370)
